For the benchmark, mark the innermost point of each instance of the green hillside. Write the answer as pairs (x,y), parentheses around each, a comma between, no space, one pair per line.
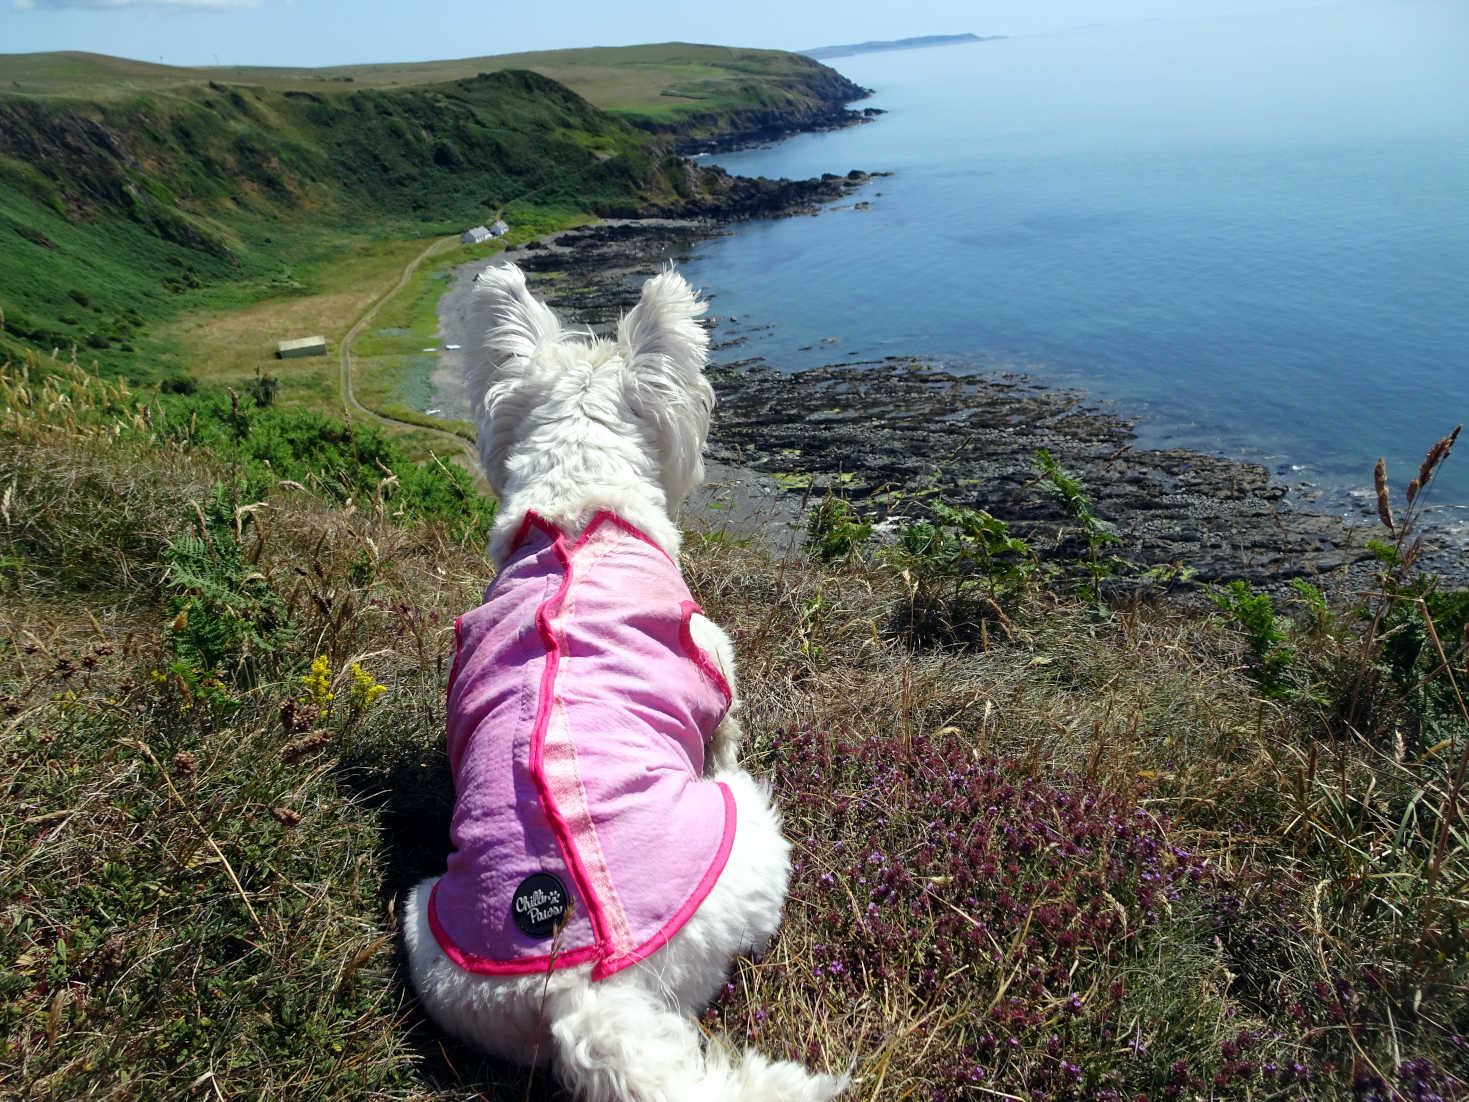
(117,211)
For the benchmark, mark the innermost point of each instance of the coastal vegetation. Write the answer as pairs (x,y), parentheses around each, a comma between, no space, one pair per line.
(1052,842)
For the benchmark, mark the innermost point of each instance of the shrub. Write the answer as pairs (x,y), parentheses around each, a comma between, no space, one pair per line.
(1265,632)
(834,530)
(262,389)
(179,384)
(1068,492)
(340,460)
(962,569)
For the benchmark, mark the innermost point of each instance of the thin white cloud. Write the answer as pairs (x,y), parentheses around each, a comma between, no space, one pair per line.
(102,5)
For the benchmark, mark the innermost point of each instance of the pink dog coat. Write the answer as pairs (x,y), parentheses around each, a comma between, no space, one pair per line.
(579,705)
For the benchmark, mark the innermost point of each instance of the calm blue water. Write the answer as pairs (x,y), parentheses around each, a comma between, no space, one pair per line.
(1252,233)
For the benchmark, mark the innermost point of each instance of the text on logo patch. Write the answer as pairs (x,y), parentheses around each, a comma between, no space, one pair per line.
(538,905)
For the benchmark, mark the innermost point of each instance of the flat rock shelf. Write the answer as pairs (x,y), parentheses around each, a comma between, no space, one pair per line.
(893,432)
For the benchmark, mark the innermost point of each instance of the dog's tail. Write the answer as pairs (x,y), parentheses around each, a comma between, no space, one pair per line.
(624,1044)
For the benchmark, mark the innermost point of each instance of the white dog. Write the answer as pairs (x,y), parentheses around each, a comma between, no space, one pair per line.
(610,856)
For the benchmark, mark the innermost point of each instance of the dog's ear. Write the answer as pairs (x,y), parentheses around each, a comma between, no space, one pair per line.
(518,321)
(665,350)
(660,335)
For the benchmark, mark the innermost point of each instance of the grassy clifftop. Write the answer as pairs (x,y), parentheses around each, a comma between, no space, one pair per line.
(1055,847)
(666,87)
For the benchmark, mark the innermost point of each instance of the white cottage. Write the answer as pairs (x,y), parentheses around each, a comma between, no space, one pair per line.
(499,229)
(475,235)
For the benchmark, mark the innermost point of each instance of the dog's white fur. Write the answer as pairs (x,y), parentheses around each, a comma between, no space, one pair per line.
(568,425)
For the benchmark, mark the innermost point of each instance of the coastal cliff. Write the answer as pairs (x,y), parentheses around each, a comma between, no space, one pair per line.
(1050,839)
(696,98)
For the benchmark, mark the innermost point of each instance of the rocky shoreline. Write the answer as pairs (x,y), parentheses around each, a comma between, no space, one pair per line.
(776,127)
(890,434)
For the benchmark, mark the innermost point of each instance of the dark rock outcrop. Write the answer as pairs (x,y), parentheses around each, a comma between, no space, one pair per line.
(722,197)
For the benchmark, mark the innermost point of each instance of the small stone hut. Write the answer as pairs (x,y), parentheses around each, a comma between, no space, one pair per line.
(304,346)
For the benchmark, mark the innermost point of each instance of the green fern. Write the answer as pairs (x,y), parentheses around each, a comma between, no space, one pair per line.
(1069,492)
(835,531)
(227,617)
(962,568)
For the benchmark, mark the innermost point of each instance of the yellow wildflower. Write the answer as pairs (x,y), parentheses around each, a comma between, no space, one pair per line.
(319,683)
(365,688)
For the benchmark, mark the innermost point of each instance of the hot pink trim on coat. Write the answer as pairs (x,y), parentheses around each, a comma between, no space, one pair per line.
(579,706)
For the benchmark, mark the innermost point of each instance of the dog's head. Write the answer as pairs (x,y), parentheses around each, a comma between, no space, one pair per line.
(543,396)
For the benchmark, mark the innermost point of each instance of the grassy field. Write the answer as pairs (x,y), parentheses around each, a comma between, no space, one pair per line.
(392,360)
(230,345)
(1049,845)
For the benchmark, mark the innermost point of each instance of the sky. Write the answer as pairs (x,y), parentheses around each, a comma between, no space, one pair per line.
(333,32)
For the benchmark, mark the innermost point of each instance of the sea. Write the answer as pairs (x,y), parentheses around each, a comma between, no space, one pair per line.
(1250,234)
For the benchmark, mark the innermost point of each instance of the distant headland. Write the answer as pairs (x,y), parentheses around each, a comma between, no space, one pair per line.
(922,42)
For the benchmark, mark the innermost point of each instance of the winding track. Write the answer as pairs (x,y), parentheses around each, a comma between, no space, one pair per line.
(351,407)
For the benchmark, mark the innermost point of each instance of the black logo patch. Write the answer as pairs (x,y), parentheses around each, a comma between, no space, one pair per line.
(539,904)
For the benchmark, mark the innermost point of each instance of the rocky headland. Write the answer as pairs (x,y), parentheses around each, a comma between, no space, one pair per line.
(712,196)
(919,42)
(816,100)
